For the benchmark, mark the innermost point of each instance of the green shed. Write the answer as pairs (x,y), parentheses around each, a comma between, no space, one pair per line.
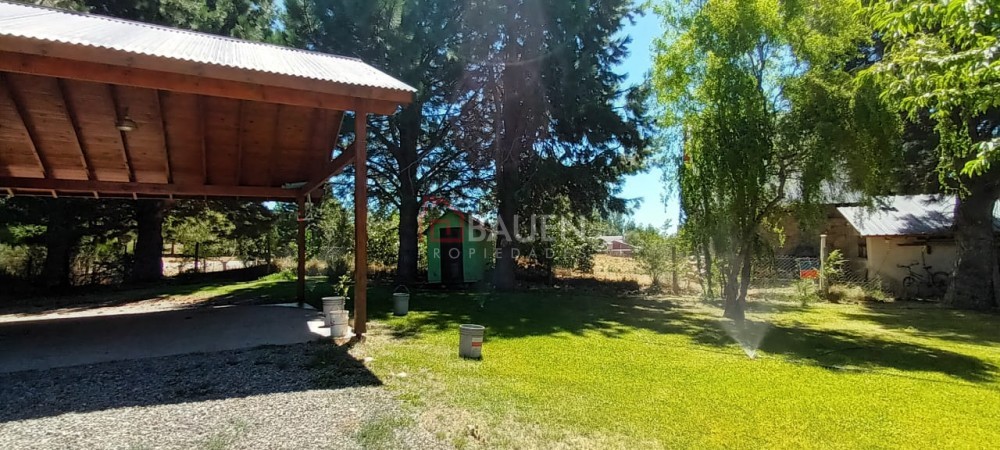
(457,249)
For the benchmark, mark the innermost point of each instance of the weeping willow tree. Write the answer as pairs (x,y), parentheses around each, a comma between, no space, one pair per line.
(761,94)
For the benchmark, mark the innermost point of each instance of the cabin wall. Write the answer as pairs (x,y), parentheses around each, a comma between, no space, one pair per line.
(885,254)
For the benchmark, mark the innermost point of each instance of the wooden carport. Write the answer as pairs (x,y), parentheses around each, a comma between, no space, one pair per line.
(102,107)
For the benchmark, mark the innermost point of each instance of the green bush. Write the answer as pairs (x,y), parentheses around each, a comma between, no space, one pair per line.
(806,292)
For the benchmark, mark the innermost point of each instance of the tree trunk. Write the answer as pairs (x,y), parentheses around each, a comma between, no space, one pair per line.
(507,183)
(707,249)
(148,265)
(409,202)
(59,241)
(197,253)
(974,281)
(406,264)
(506,158)
(737,284)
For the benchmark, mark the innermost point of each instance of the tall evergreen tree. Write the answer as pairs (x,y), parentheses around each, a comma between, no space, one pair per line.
(549,109)
(413,155)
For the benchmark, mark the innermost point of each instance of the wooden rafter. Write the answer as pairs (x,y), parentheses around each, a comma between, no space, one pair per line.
(75,122)
(135,189)
(163,131)
(126,156)
(26,122)
(332,169)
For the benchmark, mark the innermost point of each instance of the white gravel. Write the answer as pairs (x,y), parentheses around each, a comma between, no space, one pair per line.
(267,397)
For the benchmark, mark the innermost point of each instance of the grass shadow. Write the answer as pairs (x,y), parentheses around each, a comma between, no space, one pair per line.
(933,320)
(516,315)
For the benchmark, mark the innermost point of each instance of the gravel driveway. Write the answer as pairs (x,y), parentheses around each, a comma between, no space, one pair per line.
(266,397)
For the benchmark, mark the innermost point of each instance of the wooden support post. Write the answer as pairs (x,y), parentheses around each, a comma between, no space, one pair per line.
(360,224)
(300,242)
(823,285)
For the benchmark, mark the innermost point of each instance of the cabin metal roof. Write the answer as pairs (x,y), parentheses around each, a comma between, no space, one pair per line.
(90,31)
(907,215)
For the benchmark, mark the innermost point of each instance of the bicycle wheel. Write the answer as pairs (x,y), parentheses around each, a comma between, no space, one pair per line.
(940,280)
(909,282)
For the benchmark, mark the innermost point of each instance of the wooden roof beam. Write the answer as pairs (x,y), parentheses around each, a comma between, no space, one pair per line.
(163,132)
(22,115)
(113,92)
(75,122)
(152,79)
(332,169)
(136,189)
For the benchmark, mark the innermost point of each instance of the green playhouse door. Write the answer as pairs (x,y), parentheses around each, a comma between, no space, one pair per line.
(452,252)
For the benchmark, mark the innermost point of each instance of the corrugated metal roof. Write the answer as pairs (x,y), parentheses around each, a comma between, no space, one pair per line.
(907,215)
(53,25)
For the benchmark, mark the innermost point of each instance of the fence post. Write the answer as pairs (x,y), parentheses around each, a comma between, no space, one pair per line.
(673,268)
(822,264)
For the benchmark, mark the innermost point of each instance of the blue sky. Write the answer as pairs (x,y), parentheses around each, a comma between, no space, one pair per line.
(646,186)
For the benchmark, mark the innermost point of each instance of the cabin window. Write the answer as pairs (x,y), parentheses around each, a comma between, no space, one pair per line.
(862,248)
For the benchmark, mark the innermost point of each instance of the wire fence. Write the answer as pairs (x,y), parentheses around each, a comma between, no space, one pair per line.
(799,277)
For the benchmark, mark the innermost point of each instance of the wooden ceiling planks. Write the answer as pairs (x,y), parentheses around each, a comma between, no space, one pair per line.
(221,138)
(18,157)
(182,131)
(259,125)
(40,104)
(93,112)
(72,113)
(146,144)
(294,126)
(184,142)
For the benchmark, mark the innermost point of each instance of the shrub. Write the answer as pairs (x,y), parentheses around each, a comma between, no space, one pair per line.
(806,292)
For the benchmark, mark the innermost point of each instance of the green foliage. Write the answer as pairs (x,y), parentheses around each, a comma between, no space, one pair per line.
(21,261)
(756,91)
(383,238)
(343,284)
(652,249)
(575,250)
(942,57)
(806,291)
(833,267)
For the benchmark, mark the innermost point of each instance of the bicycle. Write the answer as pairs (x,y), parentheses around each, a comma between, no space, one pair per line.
(936,281)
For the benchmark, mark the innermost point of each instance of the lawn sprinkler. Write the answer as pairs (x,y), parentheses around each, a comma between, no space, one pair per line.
(748,334)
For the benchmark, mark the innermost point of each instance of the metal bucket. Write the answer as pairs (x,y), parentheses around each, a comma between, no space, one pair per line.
(470,344)
(331,304)
(339,324)
(401,302)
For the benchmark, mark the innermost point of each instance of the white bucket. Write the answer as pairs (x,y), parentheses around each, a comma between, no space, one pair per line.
(331,304)
(470,344)
(339,324)
(400,304)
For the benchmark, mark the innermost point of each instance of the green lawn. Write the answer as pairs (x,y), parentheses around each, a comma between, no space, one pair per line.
(584,370)
(577,369)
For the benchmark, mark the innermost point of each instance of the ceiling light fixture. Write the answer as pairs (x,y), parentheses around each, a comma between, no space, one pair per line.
(126,124)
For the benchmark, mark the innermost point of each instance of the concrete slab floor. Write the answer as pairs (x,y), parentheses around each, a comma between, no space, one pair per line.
(54,341)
